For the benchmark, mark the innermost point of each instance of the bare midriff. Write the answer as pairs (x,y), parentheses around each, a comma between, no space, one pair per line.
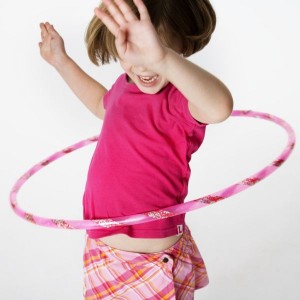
(126,243)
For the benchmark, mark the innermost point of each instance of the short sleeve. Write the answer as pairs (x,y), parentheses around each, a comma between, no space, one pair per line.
(114,89)
(105,98)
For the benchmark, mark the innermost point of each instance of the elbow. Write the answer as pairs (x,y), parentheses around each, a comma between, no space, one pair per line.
(224,109)
(218,111)
(227,111)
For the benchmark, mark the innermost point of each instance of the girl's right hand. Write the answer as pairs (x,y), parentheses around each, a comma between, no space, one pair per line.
(52,46)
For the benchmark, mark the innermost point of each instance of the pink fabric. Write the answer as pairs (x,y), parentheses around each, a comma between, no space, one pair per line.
(167,212)
(141,162)
(174,273)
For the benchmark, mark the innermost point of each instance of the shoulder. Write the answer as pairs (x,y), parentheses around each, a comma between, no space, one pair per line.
(116,87)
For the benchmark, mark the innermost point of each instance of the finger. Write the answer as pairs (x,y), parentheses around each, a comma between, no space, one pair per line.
(115,12)
(144,15)
(126,10)
(52,31)
(44,44)
(42,26)
(108,21)
(121,42)
(44,31)
(48,27)
(47,40)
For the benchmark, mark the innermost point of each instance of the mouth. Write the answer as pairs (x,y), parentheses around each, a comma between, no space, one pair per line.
(148,80)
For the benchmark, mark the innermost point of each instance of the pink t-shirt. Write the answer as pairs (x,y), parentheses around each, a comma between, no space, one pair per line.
(141,161)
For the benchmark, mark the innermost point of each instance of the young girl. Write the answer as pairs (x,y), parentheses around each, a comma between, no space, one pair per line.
(154,118)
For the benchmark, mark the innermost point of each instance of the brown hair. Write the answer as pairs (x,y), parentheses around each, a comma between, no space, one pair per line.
(189,22)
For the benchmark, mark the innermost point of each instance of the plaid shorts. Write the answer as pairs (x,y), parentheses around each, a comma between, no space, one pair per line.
(174,273)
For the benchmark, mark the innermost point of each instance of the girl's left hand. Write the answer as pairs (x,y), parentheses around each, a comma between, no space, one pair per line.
(136,39)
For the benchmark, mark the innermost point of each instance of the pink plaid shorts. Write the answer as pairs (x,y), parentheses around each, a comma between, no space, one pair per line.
(174,273)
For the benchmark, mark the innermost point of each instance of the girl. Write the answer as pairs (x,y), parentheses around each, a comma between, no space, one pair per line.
(154,118)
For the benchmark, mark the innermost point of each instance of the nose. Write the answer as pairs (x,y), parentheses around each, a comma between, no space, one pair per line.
(139,69)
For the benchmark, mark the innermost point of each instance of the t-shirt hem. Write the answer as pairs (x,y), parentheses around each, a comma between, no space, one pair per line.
(134,233)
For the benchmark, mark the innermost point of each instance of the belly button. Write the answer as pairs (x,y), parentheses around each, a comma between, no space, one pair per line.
(165,260)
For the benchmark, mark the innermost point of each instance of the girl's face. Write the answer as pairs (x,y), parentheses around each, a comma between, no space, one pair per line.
(146,81)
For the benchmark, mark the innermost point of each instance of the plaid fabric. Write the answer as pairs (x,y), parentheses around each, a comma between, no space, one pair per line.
(172,274)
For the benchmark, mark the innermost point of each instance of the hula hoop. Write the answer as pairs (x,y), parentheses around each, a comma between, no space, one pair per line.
(156,214)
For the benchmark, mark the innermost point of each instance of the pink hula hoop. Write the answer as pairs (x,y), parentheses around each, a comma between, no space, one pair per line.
(157,214)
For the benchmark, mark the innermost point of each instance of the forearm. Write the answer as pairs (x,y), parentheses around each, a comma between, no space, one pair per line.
(208,94)
(88,90)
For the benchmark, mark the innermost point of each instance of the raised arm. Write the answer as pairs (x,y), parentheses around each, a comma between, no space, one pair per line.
(210,101)
(138,43)
(88,90)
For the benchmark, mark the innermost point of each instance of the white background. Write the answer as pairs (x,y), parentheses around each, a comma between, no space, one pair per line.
(250,242)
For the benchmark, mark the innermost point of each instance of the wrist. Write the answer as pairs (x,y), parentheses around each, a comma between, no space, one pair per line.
(62,63)
(163,67)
